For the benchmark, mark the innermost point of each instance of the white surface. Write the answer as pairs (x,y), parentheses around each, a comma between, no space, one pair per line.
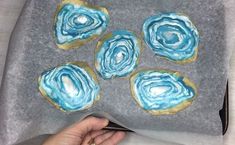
(9,12)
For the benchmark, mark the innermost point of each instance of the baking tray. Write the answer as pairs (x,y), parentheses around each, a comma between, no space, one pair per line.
(224,115)
(24,65)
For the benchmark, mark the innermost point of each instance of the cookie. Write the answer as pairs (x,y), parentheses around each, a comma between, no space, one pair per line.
(117,54)
(70,87)
(172,36)
(76,22)
(162,92)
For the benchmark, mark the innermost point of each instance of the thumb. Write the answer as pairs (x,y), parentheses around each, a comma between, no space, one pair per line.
(88,124)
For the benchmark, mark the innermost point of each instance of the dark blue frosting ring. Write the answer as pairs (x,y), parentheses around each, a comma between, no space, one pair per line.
(76,23)
(162,92)
(117,54)
(70,87)
(172,36)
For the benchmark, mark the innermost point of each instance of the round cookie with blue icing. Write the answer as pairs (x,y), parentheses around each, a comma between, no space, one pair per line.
(172,36)
(162,92)
(76,22)
(70,87)
(117,54)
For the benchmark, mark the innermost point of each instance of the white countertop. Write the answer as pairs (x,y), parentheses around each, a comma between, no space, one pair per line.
(9,12)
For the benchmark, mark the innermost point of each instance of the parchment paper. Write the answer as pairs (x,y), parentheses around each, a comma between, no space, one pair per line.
(25,114)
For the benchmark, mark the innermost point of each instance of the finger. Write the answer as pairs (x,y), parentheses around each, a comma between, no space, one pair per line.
(79,130)
(91,135)
(114,139)
(99,139)
(87,125)
(99,132)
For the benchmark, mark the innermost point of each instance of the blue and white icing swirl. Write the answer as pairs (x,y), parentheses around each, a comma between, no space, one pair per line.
(172,36)
(76,23)
(117,54)
(70,87)
(162,92)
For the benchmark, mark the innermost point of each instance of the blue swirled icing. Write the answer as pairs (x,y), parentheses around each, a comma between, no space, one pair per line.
(76,23)
(162,92)
(172,36)
(117,54)
(70,87)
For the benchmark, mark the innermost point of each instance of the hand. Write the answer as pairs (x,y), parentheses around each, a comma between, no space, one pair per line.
(87,132)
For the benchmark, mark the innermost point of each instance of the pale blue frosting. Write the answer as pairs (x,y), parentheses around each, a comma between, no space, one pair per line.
(118,55)
(70,87)
(156,90)
(172,36)
(76,22)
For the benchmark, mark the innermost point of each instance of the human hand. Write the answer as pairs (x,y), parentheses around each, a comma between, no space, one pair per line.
(87,132)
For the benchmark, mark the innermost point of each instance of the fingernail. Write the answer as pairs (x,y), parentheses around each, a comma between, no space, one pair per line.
(106,121)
